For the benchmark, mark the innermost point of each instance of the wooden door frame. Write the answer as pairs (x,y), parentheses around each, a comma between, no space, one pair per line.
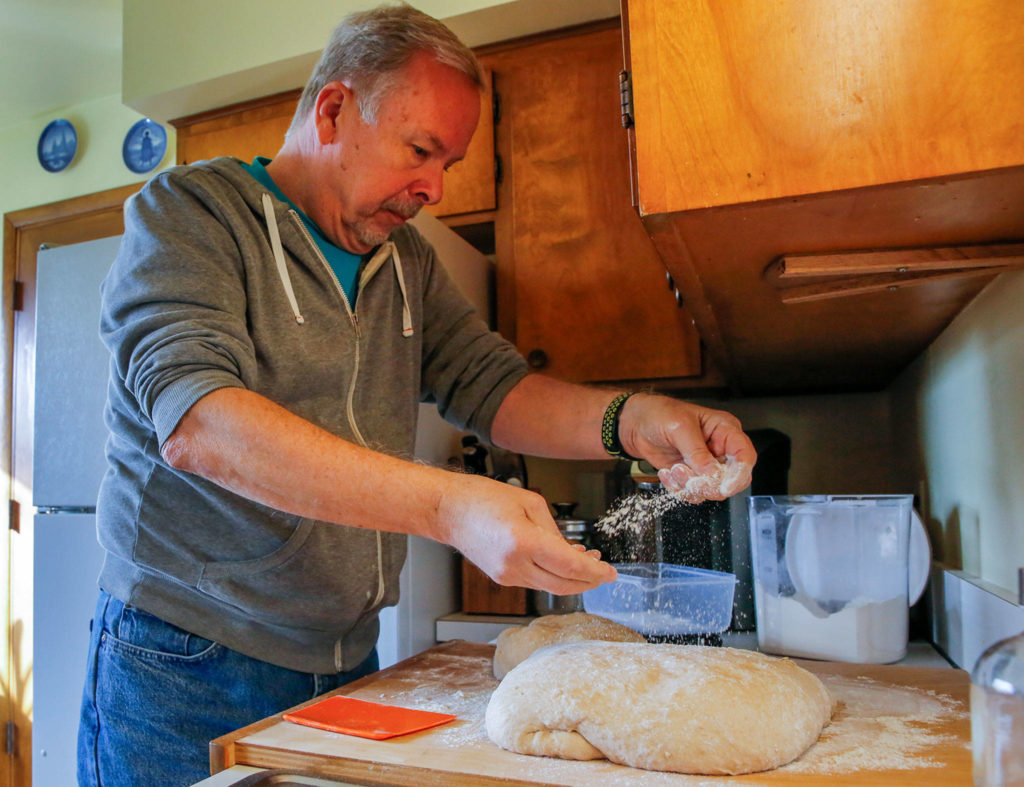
(72,220)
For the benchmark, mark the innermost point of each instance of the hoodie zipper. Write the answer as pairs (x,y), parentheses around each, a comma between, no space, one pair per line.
(349,408)
(330,271)
(353,318)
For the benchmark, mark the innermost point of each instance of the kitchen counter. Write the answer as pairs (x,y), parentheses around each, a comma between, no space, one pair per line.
(894,725)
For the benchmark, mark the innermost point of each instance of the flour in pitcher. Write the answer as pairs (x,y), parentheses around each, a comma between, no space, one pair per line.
(863,631)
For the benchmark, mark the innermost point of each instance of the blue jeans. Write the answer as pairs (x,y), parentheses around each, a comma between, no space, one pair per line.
(156,695)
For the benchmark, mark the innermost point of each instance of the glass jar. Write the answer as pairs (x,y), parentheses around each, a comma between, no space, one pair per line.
(997,715)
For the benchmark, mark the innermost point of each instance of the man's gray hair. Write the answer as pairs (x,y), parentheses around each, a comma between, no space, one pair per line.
(369,49)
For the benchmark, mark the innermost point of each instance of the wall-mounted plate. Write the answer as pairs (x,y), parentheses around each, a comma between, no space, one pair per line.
(57,145)
(144,146)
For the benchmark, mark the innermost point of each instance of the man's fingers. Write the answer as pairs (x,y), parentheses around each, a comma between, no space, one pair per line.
(594,553)
(735,443)
(562,570)
(542,579)
(675,478)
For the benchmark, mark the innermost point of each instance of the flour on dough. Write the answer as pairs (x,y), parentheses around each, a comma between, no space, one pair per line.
(518,642)
(681,708)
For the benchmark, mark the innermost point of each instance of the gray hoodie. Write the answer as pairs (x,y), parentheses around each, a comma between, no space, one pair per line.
(218,284)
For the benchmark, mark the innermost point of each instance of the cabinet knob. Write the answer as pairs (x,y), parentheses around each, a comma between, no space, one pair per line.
(537,359)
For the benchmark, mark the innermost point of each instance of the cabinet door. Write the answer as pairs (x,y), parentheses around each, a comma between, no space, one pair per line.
(581,288)
(745,100)
(257,128)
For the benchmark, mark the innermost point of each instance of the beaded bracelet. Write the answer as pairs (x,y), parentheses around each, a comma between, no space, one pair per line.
(610,428)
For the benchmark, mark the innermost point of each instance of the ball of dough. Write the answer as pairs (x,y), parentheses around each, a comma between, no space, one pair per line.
(517,643)
(681,708)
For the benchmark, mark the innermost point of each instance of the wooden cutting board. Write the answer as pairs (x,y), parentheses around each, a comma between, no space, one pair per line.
(893,725)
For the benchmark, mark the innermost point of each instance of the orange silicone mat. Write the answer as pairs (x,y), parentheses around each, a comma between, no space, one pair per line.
(366,719)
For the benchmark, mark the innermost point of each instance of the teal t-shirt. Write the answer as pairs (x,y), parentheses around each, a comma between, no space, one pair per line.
(344,263)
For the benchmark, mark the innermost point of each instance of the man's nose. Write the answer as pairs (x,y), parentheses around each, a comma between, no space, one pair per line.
(430,186)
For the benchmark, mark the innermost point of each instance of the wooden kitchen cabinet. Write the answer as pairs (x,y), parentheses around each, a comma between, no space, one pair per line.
(745,101)
(253,128)
(768,131)
(257,128)
(581,289)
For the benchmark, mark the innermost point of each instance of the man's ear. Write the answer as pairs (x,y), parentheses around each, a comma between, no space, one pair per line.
(333,98)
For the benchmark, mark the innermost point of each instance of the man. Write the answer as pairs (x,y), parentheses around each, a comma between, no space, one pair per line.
(272,328)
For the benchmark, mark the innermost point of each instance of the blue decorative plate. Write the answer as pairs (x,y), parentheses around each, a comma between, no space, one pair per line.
(57,145)
(144,146)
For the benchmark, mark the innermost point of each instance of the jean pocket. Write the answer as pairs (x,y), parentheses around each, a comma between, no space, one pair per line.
(142,635)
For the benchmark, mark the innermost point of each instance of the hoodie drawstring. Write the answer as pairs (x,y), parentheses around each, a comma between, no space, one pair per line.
(406,312)
(282,269)
(387,249)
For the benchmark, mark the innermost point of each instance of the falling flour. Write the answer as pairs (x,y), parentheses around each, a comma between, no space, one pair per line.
(636,513)
(639,512)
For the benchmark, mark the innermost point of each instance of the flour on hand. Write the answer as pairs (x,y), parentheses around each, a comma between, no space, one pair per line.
(727,479)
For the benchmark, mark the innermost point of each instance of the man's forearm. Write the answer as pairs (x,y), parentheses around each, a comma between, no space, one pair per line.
(248,444)
(257,449)
(547,417)
(542,416)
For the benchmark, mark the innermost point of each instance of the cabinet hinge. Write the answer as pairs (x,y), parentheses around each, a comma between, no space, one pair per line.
(11,738)
(499,170)
(17,296)
(496,107)
(14,516)
(626,98)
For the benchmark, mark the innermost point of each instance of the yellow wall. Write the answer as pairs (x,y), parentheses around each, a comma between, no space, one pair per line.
(97,166)
(188,56)
(192,55)
(176,55)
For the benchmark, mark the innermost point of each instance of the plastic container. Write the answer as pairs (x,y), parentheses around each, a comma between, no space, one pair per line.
(997,714)
(831,575)
(662,599)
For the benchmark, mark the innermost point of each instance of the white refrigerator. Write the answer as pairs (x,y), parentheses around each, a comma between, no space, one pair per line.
(71,366)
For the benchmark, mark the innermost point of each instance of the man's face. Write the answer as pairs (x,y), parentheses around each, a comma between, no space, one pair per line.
(377,176)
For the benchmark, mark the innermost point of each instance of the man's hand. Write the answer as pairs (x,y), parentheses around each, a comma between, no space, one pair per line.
(703,454)
(510,535)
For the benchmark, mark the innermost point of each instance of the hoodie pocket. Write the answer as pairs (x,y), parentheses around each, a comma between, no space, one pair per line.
(323,578)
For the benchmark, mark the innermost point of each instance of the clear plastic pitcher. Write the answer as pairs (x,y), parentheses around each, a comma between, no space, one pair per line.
(831,575)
